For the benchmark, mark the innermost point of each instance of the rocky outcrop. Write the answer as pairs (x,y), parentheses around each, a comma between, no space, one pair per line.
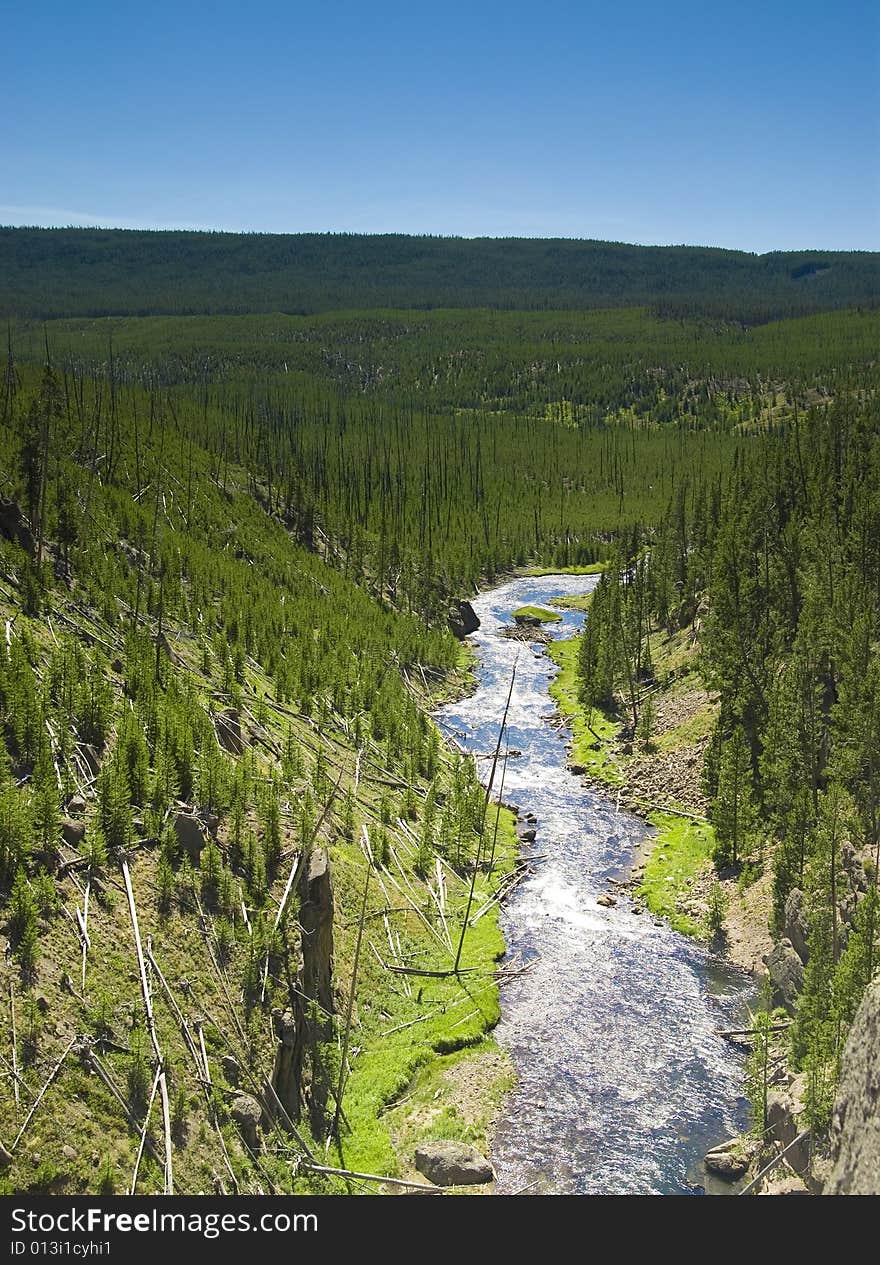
(247,1114)
(73,832)
(856,1127)
(190,834)
(299,1077)
(229,731)
(231,1069)
(796,928)
(730,1165)
(286,1073)
(14,526)
(191,829)
(463,620)
(786,971)
(453,1164)
(786,1123)
(316,920)
(787,1184)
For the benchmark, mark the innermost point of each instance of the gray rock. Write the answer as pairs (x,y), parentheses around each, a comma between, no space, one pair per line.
(231,1069)
(786,971)
(91,756)
(76,806)
(463,620)
(69,1153)
(73,832)
(727,1164)
(784,1124)
(229,731)
(453,1164)
(527,835)
(856,1128)
(247,1114)
(789,1184)
(14,526)
(796,928)
(190,834)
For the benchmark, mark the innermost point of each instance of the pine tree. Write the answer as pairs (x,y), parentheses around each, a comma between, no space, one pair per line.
(733,812)
(114,804)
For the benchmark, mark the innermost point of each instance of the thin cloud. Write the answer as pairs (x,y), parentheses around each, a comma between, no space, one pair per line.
(60,217)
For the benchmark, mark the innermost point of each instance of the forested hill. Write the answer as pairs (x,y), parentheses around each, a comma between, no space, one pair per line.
(94,272)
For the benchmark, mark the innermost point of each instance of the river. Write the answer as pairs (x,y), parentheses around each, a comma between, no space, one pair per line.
(623,1082)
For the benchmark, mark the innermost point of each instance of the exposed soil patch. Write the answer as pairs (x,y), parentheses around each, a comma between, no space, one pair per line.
(667,778)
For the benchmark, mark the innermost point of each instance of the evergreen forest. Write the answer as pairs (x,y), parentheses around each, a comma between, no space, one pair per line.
(245,482)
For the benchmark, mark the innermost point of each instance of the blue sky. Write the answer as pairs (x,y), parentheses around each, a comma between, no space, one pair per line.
(752,125)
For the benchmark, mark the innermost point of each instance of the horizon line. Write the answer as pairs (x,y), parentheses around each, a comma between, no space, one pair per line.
(210,231)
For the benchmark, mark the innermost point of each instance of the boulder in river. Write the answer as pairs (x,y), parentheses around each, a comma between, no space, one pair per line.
(463,620)
(727,1164)
(453,1164)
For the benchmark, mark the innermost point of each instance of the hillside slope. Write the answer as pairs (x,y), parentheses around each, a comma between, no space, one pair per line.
(217,775)
(71,272)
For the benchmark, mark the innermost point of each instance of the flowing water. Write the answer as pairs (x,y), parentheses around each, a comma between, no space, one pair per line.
(623,1080)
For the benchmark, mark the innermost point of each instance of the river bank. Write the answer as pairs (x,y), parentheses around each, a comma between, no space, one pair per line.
(610,1095)
(659,781)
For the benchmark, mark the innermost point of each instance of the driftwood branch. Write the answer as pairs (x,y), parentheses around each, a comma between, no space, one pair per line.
(137,1163)
(801,1137)
(30,1115)
(371,1177)
(151,1028)
(14,1044)
(351,994)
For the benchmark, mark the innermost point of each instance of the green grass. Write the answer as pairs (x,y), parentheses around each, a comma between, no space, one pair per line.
(681,850)
(673,654)
(689,731)
(592,568)
(440,1019)
(590,742)
(457,682)
(683,846)
(573,602)
(537,612)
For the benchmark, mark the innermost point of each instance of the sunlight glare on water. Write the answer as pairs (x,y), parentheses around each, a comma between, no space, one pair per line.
(623,1080)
